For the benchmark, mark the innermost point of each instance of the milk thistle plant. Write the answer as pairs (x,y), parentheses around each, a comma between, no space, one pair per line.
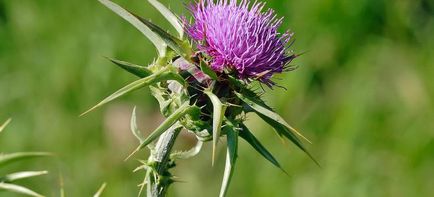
(203,79)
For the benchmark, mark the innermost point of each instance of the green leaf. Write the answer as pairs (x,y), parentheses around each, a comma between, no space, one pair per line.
(137,70)
(13,157)
(4,125)
(134,127)
(162,75)
(182,48)
(218,115)
(132,19)
(284,131)
(21,175)
(260,108)
(188,154)
(100,190)
(158,93)
(18,189)
(170,16)
(232,142)
(207,70)
(231,157)
(169,122)
(240,84)
(274,120)
(251,139)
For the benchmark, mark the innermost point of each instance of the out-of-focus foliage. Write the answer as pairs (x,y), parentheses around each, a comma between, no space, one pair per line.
(363,94)
(9,179)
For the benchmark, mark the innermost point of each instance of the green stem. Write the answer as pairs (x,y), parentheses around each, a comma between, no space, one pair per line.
(160,179)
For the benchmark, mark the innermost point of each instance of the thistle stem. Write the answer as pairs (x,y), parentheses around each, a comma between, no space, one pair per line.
(160,180)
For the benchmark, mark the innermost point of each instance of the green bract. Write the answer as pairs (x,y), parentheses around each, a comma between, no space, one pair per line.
(192,97)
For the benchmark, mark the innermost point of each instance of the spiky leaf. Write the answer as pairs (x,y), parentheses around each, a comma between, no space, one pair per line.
(182,48)
(21,175)
(284,131)
(132,19)
(171,120)
(14,157)
(164,126)
(162,75)
(188,154)
(18,189)
(261,108)
(170,16)
(159,94)
(231,157)
(218,116)
(134,69)
(256,144)
(274,120)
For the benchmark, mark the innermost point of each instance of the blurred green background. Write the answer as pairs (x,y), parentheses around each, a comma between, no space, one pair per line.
(364,94)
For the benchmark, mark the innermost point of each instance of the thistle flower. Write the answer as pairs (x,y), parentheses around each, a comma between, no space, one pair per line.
(241,37)
(207,92)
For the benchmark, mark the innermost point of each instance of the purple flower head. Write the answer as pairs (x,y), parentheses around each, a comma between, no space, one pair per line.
(240,37)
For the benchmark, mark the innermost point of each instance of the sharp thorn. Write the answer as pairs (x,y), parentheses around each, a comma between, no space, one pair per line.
(134,152)
(86,112)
